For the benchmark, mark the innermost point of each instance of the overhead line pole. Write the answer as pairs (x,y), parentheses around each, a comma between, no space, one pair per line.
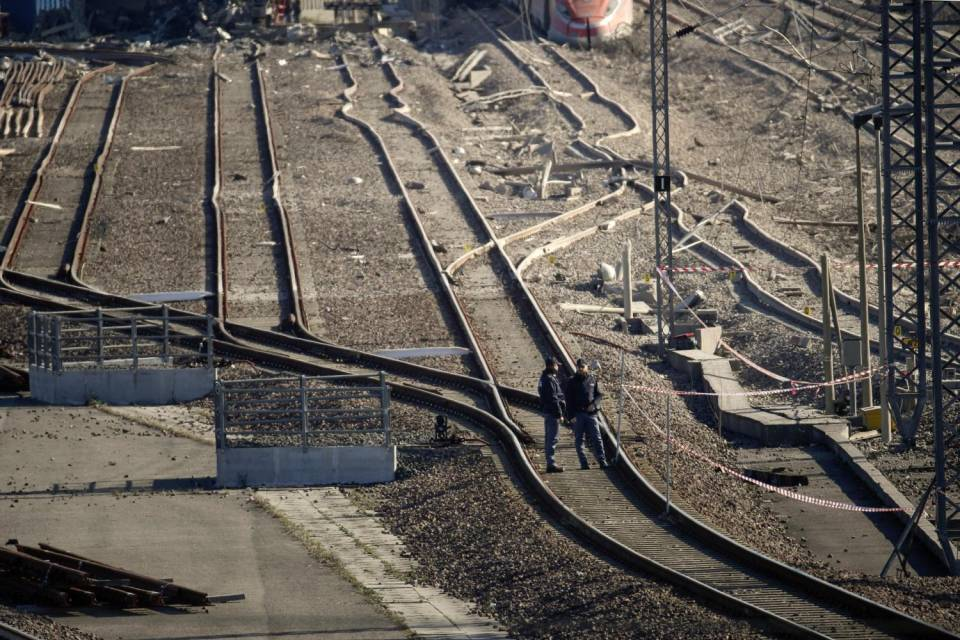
(660,107)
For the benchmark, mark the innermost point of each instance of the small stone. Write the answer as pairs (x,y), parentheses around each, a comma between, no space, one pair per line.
(355,180)
(416,185)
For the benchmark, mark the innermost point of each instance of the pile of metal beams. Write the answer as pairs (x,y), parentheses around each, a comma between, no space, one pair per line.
(47,575)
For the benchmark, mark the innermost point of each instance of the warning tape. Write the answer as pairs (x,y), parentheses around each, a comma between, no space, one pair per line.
(704,269)
(943,264)
(750,363)
(787,493)
(756,367)
(900,266)
(793,389)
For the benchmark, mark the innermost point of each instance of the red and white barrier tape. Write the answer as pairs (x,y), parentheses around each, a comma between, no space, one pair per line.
(704,269)
(901,266)
(793,495)
(793,389)
(734,352)
(756,367)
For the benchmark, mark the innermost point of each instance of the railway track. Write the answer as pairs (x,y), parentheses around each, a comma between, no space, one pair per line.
(260,283)
(630,521)
(363,250)
(8,632)
(42,240)
(704,561)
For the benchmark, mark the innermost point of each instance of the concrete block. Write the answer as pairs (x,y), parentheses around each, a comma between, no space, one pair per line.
(708,338)
(121,386)
(300,467)
(478,76)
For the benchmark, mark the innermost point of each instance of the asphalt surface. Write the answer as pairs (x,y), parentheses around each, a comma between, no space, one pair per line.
(219,542)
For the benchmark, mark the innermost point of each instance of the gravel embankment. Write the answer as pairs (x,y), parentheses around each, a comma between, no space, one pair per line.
(475,537)
(41,626)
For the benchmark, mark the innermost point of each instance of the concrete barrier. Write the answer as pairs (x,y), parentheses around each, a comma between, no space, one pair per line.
(303,467)
(120,386)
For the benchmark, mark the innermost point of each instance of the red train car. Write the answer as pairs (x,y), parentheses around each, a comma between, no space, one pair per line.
(580,21)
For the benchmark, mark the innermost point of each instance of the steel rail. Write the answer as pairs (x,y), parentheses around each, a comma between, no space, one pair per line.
(515,450)
(813,589)
(8,632)
(74,269)
(119,56)
(20,219)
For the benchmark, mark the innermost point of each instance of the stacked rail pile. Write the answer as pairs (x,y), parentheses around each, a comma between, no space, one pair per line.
(53,576)
(25,84)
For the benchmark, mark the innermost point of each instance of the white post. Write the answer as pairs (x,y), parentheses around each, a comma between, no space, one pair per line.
(627,268)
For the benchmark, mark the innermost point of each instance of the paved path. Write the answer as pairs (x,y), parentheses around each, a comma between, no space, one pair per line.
(220,542)
(375,558)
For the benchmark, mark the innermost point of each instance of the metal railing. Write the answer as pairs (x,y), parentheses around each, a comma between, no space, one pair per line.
(132,338)
(303,411)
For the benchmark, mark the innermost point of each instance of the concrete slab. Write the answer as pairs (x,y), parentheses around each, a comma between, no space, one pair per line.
(848,540)
(81,448)
(218,542)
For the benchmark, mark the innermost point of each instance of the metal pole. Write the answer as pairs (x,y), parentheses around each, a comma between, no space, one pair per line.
(55,347)
(100,336)
(627,268)
(660,107)
(828,394)
(303,412)
(881,289)
(32,337)
(385,408)
(133,338)
(165,348)
(867,386)
(669,452)
(620,403)
(209,341)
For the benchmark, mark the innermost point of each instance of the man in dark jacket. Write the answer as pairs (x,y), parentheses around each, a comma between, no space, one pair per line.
(583,396)
(554,408)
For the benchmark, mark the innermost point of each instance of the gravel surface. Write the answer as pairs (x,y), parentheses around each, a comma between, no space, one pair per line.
(362,248)
(149,230)
(41,626)
(13,333)
(450,508)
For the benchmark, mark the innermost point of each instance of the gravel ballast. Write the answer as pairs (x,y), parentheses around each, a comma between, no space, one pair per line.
(475,537)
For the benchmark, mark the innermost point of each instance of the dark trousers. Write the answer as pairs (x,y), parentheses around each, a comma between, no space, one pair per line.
(551,428)
(588,426)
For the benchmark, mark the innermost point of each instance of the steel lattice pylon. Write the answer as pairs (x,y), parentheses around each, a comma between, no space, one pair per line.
(660,104)
(921,109)
(903,212)
(941,29)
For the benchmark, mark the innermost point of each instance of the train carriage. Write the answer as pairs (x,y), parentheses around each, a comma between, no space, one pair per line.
(579,21)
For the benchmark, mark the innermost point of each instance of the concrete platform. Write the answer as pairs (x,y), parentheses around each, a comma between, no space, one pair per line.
(220,542)
(801,429)
(848,540)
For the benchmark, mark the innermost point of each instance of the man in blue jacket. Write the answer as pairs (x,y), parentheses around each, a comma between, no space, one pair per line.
(554,408)
(583,396)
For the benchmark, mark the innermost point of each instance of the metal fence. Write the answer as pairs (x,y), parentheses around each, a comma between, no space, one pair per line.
(303,411)
(133,338)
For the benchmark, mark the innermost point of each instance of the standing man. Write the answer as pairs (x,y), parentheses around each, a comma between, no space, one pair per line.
(584,396)
(554,408)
